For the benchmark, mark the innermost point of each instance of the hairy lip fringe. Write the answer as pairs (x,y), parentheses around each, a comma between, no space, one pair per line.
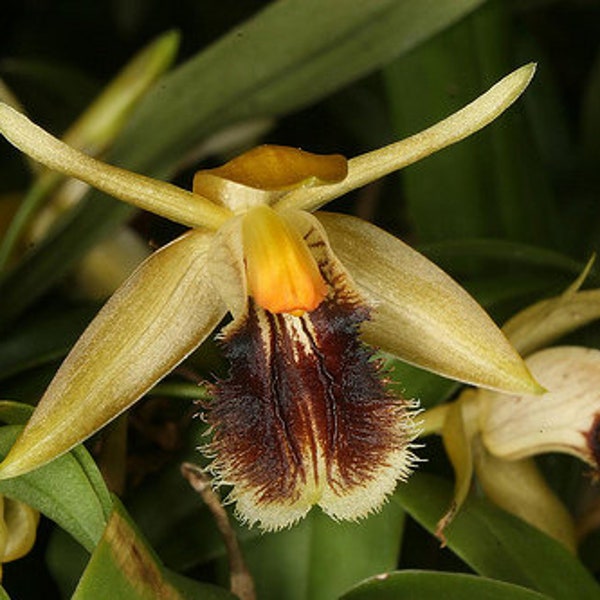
(304,417)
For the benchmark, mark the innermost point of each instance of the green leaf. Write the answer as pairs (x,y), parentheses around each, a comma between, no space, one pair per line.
(496,544)
(491,184)
(590,132)
(409,381)
(69,490)
(3,594)
(424,585)
(291,54)
(319,558)
(42,339)
(502,295)
(123,565)
(66,560)
(452,254)
(183,533)
(14,413)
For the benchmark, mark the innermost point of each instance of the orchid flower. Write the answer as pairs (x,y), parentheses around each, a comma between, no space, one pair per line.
(304,417)
(495,435)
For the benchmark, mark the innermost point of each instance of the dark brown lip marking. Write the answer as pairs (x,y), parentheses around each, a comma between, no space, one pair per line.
(304,404)
(593,440)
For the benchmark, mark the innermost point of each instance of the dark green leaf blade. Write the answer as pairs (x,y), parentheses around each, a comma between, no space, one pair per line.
(490,185)
(69,490)
(42,339)
(319,558)
(124,566)
(291,54)
(496,544)
(423,585)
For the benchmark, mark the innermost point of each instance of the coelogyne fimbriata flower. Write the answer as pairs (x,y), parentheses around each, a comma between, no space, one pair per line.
(304,418)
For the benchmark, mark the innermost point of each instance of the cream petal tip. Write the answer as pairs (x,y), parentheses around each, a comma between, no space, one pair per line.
(525,384)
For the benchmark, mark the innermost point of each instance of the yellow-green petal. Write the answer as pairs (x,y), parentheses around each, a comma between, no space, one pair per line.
(422,315)
(373,165)
(563,420)
(144,192)
(518,487)
(160,315)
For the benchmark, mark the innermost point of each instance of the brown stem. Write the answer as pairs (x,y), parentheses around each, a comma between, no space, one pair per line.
(241,582)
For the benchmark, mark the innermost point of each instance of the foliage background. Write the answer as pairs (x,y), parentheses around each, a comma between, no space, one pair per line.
(511,213)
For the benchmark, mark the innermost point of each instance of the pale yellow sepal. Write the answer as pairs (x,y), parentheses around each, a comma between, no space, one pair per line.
(160,315)
(563,420)
(422,315)
(518,487)
(373,165)
(150,194)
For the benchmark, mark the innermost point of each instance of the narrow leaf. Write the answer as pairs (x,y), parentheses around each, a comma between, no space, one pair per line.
(123,565)
(319,559)
(69,491)
(498,545)
(424,585)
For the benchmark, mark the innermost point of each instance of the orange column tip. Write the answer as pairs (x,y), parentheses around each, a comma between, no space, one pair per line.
(283,276)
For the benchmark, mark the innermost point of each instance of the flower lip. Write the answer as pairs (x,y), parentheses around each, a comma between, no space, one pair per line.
(329,433)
